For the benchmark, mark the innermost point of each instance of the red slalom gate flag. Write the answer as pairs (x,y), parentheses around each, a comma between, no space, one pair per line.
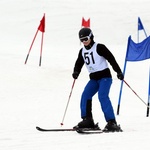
(42,24)
(86,23)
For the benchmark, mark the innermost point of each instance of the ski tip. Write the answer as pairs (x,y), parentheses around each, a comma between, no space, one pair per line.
(38,128)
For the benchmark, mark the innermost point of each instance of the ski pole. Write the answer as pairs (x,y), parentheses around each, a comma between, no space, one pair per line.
(68,103)
(136,93)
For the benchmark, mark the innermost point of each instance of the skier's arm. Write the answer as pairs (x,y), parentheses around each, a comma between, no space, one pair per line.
(102,50)
(78,65)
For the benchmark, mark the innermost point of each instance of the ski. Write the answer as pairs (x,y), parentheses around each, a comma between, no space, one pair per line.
(80,131)
(96,131)
(53,130)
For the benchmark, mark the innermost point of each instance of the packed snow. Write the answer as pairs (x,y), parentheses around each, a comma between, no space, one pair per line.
(33,96)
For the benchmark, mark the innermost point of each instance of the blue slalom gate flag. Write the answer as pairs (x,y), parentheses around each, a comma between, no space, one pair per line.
(138,51)
(140,25)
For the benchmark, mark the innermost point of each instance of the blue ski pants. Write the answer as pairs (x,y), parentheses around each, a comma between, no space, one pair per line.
(101,86)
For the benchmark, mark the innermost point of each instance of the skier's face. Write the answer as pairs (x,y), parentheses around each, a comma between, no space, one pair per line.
(86,43)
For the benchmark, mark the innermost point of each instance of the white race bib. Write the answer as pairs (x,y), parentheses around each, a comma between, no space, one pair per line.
(93,61)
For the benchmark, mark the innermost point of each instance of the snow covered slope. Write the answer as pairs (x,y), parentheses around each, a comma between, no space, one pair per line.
(31,95)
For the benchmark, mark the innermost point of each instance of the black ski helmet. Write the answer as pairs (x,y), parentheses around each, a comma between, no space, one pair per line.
(85,32)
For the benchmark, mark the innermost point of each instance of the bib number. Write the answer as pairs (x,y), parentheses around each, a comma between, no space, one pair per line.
(88,57)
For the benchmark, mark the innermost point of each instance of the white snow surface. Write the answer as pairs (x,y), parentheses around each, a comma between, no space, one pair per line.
(33,96)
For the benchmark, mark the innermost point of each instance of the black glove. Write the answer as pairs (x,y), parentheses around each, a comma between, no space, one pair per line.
(120,75)
(75,75)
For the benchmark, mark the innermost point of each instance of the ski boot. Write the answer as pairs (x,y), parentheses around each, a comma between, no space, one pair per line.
(112,127)
(87,123)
